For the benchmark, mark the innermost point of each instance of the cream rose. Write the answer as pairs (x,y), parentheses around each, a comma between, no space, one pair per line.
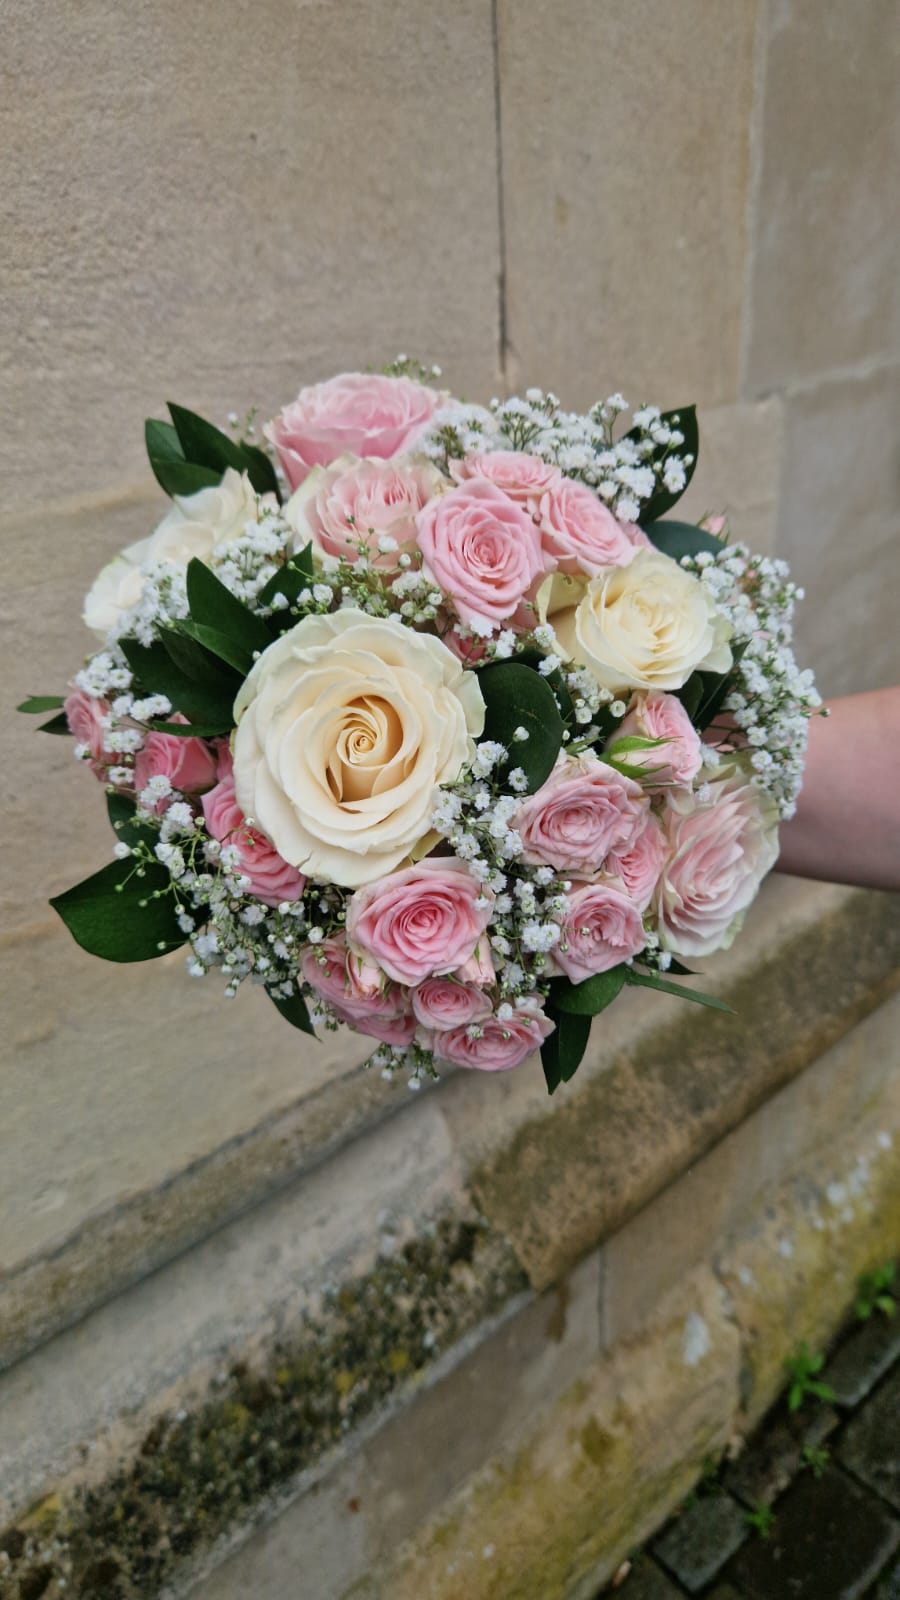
(195,526)
(345,728)
(648,625)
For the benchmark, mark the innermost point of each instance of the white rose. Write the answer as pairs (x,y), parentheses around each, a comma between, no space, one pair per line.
(196,525)
(720,849)
(645,626)
(345,728)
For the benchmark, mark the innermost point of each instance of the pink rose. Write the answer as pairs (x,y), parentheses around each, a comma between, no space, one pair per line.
(501,1045)
(658,715)
(420,921)
(479,969)
(483,550)
(353,504)
(346,986)
(443,1003)
(189,764)
(272,879)
(583,811)
(720,850)
(636,536)
(638,868)
(356,413)
(579,533)
(523,477)
(399,1031)
(602,928)
(85,716)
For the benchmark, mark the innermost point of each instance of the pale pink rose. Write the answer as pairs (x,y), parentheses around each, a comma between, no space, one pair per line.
(638,868)
(330,969)
(502,1044)
(356,413)
(348,507)
(720,849)
(658,715)
(85,716)
(483,550)
(583,811)
(603,927)
(579,532)
(189,764)
(272,879)
(443,1003)
(399,1031)
(479,969)
(420,921)
(636,536)
(523,477)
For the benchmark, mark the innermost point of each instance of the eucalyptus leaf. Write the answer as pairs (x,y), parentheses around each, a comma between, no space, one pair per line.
(685,420)
(589,998)
(114,914)
(649,980)
(294,1011)
(37,703)
(517,697)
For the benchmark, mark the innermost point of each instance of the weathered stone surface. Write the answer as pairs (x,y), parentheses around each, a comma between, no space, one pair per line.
(776,1455)
(610,206)
(594,1475)
(570,1175)
(828,1539)
(697,1544)
(870,1446)
(863,1358)
(838,525)
(739,470)
(223,245)
(824,289)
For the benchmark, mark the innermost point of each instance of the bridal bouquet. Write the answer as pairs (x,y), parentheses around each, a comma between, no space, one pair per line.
(427,718)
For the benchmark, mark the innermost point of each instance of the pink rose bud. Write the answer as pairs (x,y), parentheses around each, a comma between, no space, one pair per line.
(603,927)
(479,969)
(523,477)
(356,413)
(583,811)
(330,969)
(483,549)
(419,921)
(501,1044)
(442,1003)
(85,716)
(272,879)
(189,764)
(579,533)
(658,715)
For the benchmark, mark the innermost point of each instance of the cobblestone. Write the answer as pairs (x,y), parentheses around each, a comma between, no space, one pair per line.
(830,1541)
(863,1359)
(696,1546)
(870,1447)
(773,1459)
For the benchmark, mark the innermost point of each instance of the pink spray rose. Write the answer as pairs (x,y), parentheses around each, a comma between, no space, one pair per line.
(272,879)
(502,1044)
(346,984)
(356,413)
(720,848)
(442,1003)
(583,811)
(399,1031)
(578,531)
(639,866)
(523,477)
(419,921)
(84,715)
(602,928)
(483,549)
(189,764)
(658,715)
(354,504)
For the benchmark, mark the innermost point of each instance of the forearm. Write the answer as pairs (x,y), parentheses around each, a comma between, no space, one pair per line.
(847,826)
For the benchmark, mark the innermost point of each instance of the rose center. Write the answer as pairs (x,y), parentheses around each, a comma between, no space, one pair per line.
(369,737)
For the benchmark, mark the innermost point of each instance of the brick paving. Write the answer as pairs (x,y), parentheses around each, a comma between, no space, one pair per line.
(811,1508)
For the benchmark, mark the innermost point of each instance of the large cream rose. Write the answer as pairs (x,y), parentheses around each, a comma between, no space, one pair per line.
(645,626)
(195,526)
(345,728)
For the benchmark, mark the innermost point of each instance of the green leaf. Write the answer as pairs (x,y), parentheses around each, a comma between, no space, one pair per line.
(58,724)
(633,741)
(589,998)
(203,444)
(664,499)
(122,814)
(296,574)
(716,687)
(41,702)
(691,693)
(107,914)
(223,645)
(172,472)
(187,730)
(214,606)
(649,980)
(294,1011)
(677,539)
(260,470)
(555,682)
(208,699)
(562,1052)
(516,697)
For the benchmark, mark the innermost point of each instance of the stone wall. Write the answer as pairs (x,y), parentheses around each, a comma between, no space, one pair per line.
(216,204)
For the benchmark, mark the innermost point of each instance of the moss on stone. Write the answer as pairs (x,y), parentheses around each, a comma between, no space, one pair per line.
(197,1475)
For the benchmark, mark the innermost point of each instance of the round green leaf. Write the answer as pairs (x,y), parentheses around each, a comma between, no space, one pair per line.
(516,696)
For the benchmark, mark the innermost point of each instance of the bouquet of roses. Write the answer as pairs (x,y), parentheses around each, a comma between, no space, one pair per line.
(428,719)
